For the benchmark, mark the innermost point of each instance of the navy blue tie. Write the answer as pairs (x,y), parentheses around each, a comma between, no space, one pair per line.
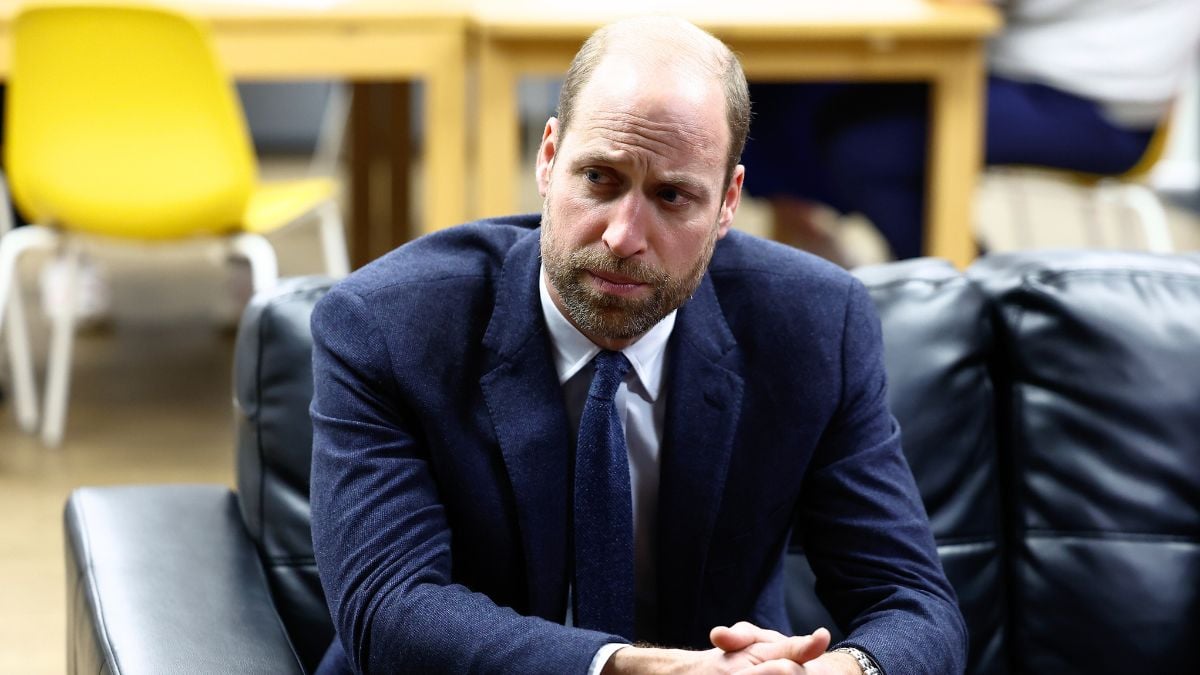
(603,585)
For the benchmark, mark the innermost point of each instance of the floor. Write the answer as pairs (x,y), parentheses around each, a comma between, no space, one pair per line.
(150,400)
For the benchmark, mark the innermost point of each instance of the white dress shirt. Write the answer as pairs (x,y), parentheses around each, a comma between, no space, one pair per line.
(641,404)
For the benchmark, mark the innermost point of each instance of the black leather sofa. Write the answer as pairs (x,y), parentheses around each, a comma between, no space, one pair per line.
(1050,404)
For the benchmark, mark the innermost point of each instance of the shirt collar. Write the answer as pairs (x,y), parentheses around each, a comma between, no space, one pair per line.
(573,350)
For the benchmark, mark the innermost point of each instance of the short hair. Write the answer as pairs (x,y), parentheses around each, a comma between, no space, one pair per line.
(728,69)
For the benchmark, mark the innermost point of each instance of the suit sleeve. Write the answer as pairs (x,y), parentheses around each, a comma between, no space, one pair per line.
(866,533)
(380,532)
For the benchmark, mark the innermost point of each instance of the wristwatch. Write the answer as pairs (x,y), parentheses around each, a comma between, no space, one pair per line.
(865,662)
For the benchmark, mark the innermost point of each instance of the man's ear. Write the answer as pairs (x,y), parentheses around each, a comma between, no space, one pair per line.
(545,156)
(733,197)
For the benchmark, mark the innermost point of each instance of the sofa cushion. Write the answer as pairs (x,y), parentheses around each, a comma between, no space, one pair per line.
(162,579)
(1098,377)
(273,388)
(937,346)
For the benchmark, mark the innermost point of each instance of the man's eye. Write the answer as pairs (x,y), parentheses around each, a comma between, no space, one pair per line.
(594,176)
(672,196)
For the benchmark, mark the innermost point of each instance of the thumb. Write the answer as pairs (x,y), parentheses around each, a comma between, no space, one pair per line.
(821,637)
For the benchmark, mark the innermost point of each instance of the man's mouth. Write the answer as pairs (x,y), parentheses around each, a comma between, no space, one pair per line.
(612,282)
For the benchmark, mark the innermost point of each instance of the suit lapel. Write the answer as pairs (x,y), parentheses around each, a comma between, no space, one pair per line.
(703,404)
(526,405)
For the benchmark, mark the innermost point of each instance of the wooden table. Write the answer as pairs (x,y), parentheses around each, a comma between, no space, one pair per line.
(777,41)
(362,41)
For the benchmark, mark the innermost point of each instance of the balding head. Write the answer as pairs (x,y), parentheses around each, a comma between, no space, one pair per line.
(664,43)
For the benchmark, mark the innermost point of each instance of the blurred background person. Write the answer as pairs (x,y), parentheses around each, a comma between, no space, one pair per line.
(1079,85)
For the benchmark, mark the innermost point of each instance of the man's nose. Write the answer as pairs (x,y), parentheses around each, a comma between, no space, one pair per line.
(625,234)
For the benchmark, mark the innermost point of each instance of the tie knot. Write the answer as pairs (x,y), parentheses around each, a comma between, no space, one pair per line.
(611,368)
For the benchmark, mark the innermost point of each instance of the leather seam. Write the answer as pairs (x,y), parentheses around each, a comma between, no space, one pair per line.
(1010,464)
(1104,536)
(1047,276)
(260,450)
(90,574)
(896,283)
(258,395)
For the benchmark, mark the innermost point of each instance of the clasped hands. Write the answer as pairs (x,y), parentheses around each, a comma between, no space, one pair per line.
(742,649)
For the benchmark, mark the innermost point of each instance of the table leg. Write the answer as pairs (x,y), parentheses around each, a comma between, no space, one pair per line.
(445,179)
(956,155)
(498,133)
(358,228)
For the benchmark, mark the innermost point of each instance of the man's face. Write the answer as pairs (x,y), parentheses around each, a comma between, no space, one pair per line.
(634,197)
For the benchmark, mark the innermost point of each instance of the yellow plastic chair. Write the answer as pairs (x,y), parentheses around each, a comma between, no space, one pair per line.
(122,125)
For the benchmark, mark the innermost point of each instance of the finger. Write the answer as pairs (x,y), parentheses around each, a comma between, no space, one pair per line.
(730,639)
(741,635)
(762,634)
(799,649)
(774,667)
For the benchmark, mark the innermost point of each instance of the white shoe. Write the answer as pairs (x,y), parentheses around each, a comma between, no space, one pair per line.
(93,297)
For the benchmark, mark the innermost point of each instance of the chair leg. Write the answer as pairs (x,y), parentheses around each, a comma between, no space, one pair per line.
(58,368)
(1149,209)
(12,246)
(1019,204)
(332,132)
(21,358)
(1094,208)
(264,269)
(333,240)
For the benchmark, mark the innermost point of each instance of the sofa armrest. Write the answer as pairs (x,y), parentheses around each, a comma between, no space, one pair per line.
(163,579)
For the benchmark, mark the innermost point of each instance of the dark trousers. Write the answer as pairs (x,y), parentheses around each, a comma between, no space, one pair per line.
(863,147)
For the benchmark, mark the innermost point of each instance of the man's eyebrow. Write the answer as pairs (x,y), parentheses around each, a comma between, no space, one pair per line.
(687,183)
(684,181)
(598,157)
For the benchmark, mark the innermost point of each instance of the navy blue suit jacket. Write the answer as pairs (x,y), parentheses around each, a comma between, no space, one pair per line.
(441,478)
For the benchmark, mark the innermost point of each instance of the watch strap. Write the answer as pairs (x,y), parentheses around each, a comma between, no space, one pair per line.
(864,661)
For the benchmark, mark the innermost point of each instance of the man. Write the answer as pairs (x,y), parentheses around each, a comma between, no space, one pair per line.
(1074,85)
(523,463)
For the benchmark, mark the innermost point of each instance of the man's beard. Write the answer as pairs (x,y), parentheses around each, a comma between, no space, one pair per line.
(613,317)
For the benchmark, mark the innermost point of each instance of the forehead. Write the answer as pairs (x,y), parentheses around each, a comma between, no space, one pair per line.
(658,114)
